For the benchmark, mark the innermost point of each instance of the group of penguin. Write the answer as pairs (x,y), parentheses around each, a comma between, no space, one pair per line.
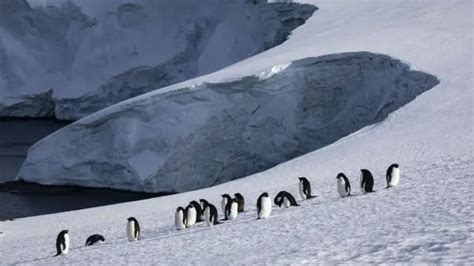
(204,211)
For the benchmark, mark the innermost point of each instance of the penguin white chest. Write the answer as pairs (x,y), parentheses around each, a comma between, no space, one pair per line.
(234,207)
(341,187)
(178,220)
(303,196)
(266,208)
(286,202)
(361,182)
(131,231)
(224,203)
(66,244)
(395,177)
(191,217)
(207,216)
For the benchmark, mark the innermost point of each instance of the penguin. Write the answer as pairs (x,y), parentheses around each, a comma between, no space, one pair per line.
(179,219)
(94,239)
(305,188)
(133,229)
(62,243)
(366,181)
(210,214)
(203,203)
(393,175)
(199,213)
(264,206)
(286,199)
(232,209)
(191,215)
(343,185)
(225,199)
(240,200)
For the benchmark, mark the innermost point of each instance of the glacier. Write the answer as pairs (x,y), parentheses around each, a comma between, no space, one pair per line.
(210,133)
(93,54)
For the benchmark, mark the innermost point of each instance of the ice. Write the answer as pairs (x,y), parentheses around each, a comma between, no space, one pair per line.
(93,54)
(216,132)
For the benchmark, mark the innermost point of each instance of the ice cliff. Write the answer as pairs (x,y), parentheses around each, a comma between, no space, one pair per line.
(211,133)
(92,54)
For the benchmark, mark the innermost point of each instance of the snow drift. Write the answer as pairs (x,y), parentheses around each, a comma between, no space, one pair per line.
(211,133)
(93,54)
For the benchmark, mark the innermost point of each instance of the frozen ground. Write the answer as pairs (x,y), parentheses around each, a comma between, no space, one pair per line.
(427,219)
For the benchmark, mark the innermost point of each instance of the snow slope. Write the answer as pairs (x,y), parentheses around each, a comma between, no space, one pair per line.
(427,219)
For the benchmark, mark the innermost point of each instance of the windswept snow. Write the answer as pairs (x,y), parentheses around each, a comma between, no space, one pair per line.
(427,219)
(93,54)
(216,132)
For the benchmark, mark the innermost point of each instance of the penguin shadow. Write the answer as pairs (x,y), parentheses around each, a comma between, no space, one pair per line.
(170,231)
(34,260)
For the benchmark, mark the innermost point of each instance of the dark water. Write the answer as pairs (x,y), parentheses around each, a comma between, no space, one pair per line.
(22,199)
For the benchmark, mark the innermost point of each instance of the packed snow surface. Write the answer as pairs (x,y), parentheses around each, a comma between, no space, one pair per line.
(426,219)
(93,54)
(216,132)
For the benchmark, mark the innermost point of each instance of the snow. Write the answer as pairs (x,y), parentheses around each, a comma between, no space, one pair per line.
(189,139)
(427,219)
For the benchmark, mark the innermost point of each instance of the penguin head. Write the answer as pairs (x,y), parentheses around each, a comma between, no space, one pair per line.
(264,194)
(132,219)
(101,238)
(180,209)
(226,196)
(395,165)
(302,178)
(365,172)
(238,195)
(64,232)
(340,175)
(203,202)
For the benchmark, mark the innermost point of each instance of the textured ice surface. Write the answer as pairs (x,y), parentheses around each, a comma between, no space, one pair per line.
(216,132)
(93,54)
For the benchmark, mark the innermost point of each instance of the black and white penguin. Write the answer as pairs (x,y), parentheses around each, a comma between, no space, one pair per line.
(203,203)
(285,199)
(179,219)
(199,211)
(225,199)
(366,181)
(305,188)
(343,185)
(264,206)
(211,215)
(62,243)
(94,239)
(191,215)
(240,200)
(393,175)
(232,209)
(133,229)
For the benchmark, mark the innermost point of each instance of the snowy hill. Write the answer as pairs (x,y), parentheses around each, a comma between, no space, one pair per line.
(427,219)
